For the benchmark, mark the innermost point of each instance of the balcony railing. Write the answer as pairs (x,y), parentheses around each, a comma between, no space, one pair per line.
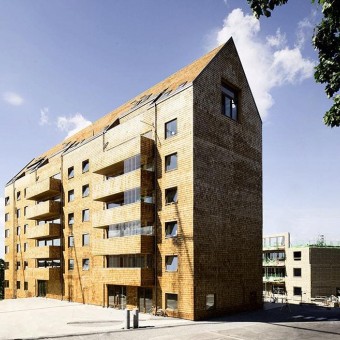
(274,263)
(47,188)
(47,230)
(43,210)
(273,278)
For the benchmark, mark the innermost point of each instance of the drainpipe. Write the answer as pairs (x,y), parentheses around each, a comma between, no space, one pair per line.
(156,204)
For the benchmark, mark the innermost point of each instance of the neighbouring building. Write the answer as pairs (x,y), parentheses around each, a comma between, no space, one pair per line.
(157,203)
(301,273)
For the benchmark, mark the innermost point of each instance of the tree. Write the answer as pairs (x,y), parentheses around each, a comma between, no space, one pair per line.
(2,278)
(326,40)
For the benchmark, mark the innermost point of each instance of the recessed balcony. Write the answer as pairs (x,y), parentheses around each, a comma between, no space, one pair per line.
(43,210)
(126,276)
(138,178)
(106,162)
(137,244)
(48,230)
(45,189)
(45,252)
(136,211)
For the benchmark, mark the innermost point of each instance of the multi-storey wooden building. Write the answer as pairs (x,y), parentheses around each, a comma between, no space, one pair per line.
(157,203)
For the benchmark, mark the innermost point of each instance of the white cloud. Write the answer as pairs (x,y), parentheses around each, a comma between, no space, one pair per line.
(268,62)
(72,124)
(44,119)
(305,27)
(12,98)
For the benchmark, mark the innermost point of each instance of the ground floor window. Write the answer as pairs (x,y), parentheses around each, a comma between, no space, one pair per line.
(297,291)
(210,302)
(171,301)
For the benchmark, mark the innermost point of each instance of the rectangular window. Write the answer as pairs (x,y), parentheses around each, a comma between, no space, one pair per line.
(25,211)
(70,264)
(6,284)
(297,290)
(18,284)
(6,233)
(18,265)
(70,195)
(297,272)
(7,200)
(71,241)
(171,195)
(6,217)
(86,215)
(70,172)
(6,249)
(171,162)
(25,246)
(171,128)
(86,239)
(171,263)
(85,190)
(25,265)
(210,302)
(171,301)
(71,218)
(18,196)
(25,228)
(6,265)
(85,166)
(18,213)
(18,231)
(229,102)
(25,285)
(86,264)
(297,255)
(171,229)
(18,248)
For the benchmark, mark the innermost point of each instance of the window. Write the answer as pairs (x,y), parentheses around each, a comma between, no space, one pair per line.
(6,249)
(18,195)
(18,265)
(18,248)
(6,233)
(6,284)
(297,255)
(86,215)
(6,265)
(71,241)
(171,301)
(86,239)
(25,285)
(7,200)
(85,166)
(171,128)
(171,162)
(171,263)
(25,265)
(25,228)
(70,264)
(297,272)
(25,211)
(25,246)
(25,191)
(6,217)
(171,195)
(70,195)
(86,264)
(210,302)
(297,290)
(18,213)
(71,218)
(70,172)
(18,231)
(85,190)
(229,102)
(171,229)
(18,284)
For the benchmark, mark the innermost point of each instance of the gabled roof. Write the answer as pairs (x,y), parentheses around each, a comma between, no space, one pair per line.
(186,74)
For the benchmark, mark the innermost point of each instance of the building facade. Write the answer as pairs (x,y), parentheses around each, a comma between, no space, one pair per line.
(299,274)
(157,203)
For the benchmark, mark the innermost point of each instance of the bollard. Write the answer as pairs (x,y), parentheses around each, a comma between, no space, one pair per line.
(135,318)
(127,319)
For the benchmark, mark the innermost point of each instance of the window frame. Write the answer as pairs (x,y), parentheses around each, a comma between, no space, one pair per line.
(70,196)
(84,261)
(70,219)
(232,94)
(167,295)
(167,190)
(70,264)
(70,172)
(85,166)
(295,290)
(85,218)
(169,159)
(296,257)
(168,268)
(168,133)
(167,224)
(85,239)
(86,187)
(69,243)
(297,272)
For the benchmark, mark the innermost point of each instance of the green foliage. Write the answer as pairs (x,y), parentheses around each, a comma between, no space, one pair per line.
(326,41)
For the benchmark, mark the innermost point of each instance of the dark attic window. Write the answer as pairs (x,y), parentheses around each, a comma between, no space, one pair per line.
(229,102)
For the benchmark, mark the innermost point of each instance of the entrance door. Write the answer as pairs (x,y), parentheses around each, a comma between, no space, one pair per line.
(117,296)
(144,299)
(42,288)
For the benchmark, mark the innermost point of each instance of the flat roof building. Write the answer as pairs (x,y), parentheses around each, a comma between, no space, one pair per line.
(157,203)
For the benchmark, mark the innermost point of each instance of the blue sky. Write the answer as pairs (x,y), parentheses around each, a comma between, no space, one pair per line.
(64,64)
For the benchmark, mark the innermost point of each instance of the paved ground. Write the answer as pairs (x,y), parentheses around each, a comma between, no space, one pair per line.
(45,318)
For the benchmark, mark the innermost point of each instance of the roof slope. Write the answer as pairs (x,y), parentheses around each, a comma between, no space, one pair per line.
(186,74)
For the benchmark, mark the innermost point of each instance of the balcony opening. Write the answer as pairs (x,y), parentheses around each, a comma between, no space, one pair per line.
(55,263)
(129,261)
(130,228)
